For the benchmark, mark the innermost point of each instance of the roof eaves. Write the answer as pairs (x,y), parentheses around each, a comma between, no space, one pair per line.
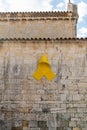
(46,39)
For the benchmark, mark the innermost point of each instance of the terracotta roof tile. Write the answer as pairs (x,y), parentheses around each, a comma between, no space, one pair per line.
(34,14)
(46,39)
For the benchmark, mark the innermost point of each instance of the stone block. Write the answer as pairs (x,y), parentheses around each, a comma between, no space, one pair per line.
(33,124)
(42,124)
(82,85)
(44,128)
(77,128)
(24,123)
(34,129)
(52,128)
(16,128)
(66,117)
(52,124)
(78,97)
(67,128)
(72,124)
(64,123)
(25,128)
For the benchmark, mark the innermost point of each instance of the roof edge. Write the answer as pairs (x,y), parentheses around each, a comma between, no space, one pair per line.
(9,15)
(43,39)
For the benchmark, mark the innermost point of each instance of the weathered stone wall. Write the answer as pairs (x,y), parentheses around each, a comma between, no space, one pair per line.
(28,104)
(38,25)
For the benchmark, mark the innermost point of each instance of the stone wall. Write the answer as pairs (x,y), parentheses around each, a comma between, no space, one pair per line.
(28,104)
(38,25)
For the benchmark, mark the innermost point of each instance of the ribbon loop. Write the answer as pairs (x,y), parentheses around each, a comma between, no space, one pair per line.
(44,69)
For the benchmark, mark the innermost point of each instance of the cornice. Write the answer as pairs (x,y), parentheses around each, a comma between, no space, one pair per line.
(36,16)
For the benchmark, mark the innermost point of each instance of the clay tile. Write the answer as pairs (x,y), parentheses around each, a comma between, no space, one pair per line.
(40,38)
(48,38)
(61,38)
(44,38)
(69,38)
(18,38)
(74,38)
(57,38)
(81,38)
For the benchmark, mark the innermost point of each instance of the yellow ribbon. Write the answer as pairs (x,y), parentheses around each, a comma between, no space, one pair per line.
(44,69)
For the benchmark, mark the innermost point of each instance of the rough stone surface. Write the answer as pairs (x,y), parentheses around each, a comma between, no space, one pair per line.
(28,104)
(38,25)
(60,104)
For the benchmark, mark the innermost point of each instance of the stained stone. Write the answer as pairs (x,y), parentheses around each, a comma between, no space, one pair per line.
(30,104)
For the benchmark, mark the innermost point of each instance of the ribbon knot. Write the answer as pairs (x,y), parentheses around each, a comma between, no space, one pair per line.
(44,69)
